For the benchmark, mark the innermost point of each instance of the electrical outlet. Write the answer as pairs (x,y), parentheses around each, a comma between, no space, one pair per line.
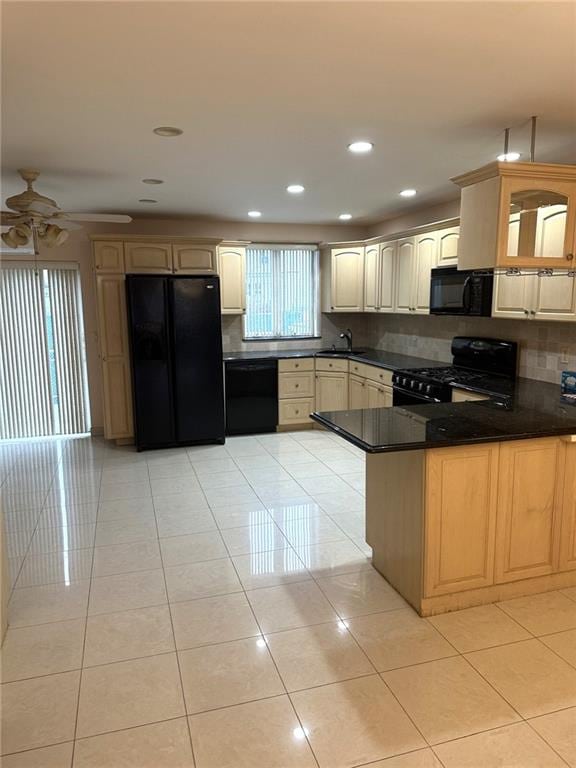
(564,355)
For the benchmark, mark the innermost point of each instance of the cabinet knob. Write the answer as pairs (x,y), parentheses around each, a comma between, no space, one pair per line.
(296,412)
(569,257)
(526,312)
(296,386)
(296,365)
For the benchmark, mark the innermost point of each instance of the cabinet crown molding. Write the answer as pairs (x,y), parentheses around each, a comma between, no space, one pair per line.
(556,171)
(126,238)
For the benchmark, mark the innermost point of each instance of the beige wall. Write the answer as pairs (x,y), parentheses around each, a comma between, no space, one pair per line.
(78,249)
(416,218)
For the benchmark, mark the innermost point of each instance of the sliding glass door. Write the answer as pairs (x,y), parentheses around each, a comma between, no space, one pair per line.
(43,382)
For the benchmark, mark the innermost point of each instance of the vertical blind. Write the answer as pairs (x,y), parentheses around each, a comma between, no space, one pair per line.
(43,382)
(281,292)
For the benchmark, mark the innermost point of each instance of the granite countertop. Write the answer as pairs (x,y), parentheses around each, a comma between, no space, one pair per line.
(530,409)
(379,357)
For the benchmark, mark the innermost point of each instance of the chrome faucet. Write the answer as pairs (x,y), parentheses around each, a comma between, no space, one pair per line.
(347,334)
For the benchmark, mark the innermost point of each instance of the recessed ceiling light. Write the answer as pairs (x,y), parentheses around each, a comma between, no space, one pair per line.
(152,181)
(345,216)
(254,214)
(295,189)
(168,130)
(361,147)
(147,200)
(408,193)
(508,157)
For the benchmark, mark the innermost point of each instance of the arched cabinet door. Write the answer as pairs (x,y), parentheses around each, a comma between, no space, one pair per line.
(448,246)
(194,258)
(347,279)
(232,271)
(148,258)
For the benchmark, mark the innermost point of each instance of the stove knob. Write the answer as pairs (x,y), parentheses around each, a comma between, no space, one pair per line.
(414,384)
(421,387)
(429,389)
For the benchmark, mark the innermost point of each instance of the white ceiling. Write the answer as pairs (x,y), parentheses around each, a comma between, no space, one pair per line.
(270,94)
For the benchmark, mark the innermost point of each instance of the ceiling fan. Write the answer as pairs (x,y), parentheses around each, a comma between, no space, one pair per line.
(35,218)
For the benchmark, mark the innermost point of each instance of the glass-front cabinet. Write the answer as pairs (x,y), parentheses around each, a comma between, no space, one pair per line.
(518,215)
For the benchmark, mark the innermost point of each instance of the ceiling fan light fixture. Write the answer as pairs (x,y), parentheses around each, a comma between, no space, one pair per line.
(9,239)
(54,235)
(168,131)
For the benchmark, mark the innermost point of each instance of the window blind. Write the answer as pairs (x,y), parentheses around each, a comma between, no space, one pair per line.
(281,292)
(42,355)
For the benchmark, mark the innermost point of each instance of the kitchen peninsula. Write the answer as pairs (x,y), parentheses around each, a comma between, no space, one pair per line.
(469,502)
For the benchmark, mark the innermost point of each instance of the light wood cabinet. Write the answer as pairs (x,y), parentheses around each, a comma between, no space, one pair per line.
(232,270)
(115,356)
(194,258)
(378,395)
(530,500)
(152,258)
(544,197)
(296,391)
(357,396)
(416,258)
(379,277)
(568,534)
(535,297)
(331,391)
(109,257)
(447,244)
(343,279)
(460,514)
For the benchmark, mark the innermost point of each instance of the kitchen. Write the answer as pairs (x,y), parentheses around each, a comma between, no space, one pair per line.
(298,483)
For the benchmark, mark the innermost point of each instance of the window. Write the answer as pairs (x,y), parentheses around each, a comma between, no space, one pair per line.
(281,292)
(43,383)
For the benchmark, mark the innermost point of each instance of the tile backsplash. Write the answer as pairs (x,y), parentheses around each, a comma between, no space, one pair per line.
(542,344)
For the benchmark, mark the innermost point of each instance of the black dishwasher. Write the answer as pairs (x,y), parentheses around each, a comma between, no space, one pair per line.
(251,396)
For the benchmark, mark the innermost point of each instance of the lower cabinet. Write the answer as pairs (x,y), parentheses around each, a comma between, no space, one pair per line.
(378,395)
(331,391)
(356,392)
(461,507)
(568,532)
(295,391)
(530,497)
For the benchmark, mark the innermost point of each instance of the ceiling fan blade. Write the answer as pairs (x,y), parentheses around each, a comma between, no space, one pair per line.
(8,219)
(113,218)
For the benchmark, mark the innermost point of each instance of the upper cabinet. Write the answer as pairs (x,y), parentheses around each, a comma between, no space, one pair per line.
(232,270)
(415,260)
(109,257)
(343,279)
(447,246)
(379,274)
(536,297)
(154,258)
(518,215)
(196,258)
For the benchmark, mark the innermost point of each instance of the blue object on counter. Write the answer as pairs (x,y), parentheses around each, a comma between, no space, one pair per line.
(568,387)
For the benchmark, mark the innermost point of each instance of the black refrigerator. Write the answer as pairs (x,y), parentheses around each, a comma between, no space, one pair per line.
(176,352)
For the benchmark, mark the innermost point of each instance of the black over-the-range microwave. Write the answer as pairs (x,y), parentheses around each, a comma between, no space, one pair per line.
(461,292)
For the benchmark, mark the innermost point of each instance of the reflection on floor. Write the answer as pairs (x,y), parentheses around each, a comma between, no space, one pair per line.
(216,607)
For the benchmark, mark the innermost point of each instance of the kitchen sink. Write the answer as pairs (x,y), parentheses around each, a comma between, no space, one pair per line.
(340,352)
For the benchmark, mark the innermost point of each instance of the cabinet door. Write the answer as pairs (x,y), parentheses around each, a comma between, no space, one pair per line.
(568,538)
(331,391)
(109,257)
(404,299)
(153,258)
(378,396)
(513,295)
(447,240)
(554,297)
(372,279)
(194,259)
(529,509)
(461,498)
(387,276)
(356,392)
(347,283)
(115,356)
(425,260)
(232,269)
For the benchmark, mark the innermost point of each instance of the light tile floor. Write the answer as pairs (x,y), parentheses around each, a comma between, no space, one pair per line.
(216,607)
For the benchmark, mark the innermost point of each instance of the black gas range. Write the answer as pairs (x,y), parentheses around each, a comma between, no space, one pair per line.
(476,362)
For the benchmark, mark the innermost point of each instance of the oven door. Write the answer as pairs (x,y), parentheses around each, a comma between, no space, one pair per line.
(403,397)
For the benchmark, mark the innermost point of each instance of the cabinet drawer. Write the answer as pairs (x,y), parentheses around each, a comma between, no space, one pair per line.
(295,411)
(380,375)
(336,366)
(296,364)
(296,384)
